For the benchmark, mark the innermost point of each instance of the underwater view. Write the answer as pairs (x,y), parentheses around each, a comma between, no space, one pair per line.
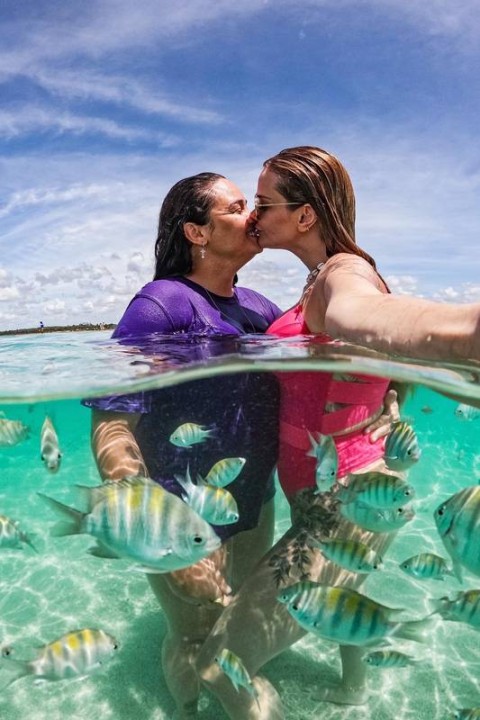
(99,614)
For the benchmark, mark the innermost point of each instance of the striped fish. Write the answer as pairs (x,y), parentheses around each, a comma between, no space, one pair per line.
(49,446)
(378,490)
(225,471)
(75,654)
(346,616)
(234,669)
(426,566)
(467,412)
(466,714)
(214,504)
(388,659)
(352,555)
(376,519)
(458,523)
(12,432)
(324,451)
(463,607)
(139,520)
(401,447)
(189,434)
(10,534)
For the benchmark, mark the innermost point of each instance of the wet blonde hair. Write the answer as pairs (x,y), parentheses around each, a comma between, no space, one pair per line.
(308,174)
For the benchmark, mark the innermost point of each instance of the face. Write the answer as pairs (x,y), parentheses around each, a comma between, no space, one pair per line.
(276,224)
(229,233)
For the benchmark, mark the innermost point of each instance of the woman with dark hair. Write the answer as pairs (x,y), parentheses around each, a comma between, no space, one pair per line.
(202,242)
(305,204)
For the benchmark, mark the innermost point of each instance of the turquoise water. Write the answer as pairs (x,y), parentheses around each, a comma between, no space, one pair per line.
(61,588)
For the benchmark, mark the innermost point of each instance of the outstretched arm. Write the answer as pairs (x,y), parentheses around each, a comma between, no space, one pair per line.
(347,302)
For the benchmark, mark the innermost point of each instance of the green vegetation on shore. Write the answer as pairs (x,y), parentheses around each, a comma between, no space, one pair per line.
(60,328)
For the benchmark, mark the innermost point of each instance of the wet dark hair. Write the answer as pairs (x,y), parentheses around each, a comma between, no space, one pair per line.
(308,174)
(189,200)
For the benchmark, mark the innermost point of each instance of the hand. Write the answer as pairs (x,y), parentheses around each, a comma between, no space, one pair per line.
(391,414)
(203,583)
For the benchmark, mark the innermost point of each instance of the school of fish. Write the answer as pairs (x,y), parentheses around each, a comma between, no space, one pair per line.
(138,520)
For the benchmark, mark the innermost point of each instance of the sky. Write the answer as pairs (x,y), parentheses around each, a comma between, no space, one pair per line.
(105,104)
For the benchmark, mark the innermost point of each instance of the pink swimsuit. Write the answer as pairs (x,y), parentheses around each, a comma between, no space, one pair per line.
(304,401)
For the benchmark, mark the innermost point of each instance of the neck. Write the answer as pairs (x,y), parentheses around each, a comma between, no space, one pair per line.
(220,283)
(311,252)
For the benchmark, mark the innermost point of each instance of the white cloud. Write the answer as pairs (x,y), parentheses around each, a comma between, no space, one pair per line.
(33,119)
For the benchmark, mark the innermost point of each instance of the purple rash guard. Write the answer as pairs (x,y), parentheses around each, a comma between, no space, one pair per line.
(241,409)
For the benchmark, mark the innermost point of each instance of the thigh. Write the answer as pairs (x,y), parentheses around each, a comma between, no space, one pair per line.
(247,548)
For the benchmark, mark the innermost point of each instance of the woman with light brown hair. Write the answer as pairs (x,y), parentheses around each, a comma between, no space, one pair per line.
(305,204)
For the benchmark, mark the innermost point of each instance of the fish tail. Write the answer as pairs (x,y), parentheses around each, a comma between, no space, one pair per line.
(72,519)
(416,630)
(28,540)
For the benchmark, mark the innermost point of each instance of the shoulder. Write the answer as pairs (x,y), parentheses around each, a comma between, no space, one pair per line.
(346,266)
(160,306)
(256,301)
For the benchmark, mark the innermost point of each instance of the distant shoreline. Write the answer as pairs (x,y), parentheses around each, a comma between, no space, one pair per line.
(59,328)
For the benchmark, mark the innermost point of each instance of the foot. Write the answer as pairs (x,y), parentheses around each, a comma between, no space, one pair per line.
(342,695)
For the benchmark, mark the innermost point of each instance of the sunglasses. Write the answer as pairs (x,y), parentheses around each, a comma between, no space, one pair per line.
(258,206)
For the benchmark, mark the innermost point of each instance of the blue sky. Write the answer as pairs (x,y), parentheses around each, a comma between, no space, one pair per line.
(105,104)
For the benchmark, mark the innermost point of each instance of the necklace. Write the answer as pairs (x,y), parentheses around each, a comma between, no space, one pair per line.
(309,281)
(313,274)
(234,321)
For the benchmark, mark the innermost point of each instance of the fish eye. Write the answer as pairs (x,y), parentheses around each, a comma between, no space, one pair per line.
(440,511)
(115,646)
(295,606)
(198,540)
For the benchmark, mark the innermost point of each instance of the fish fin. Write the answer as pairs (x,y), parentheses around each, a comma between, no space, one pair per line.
(72,519)
(102,551)
(91,495)
(416,630)
(457,570)
(147,570)
(28,540)
(312,452)
(185,482)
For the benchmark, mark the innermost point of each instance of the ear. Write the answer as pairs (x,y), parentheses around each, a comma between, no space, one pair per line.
(307,218)
(195,233)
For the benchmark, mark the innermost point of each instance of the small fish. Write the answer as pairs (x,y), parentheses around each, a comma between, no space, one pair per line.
(352,555)
(74,654)
(458,523)
(388,659)
(11,536)
(376,519)
(325,452)
(234,669)
(426,566)
(190,434)
(225,471)
(346,616)
(401,447)
(378,490)
(467,412)
(214,504)
(466,714)
(12,432)
(137,519)
(463,607)
(49,446)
